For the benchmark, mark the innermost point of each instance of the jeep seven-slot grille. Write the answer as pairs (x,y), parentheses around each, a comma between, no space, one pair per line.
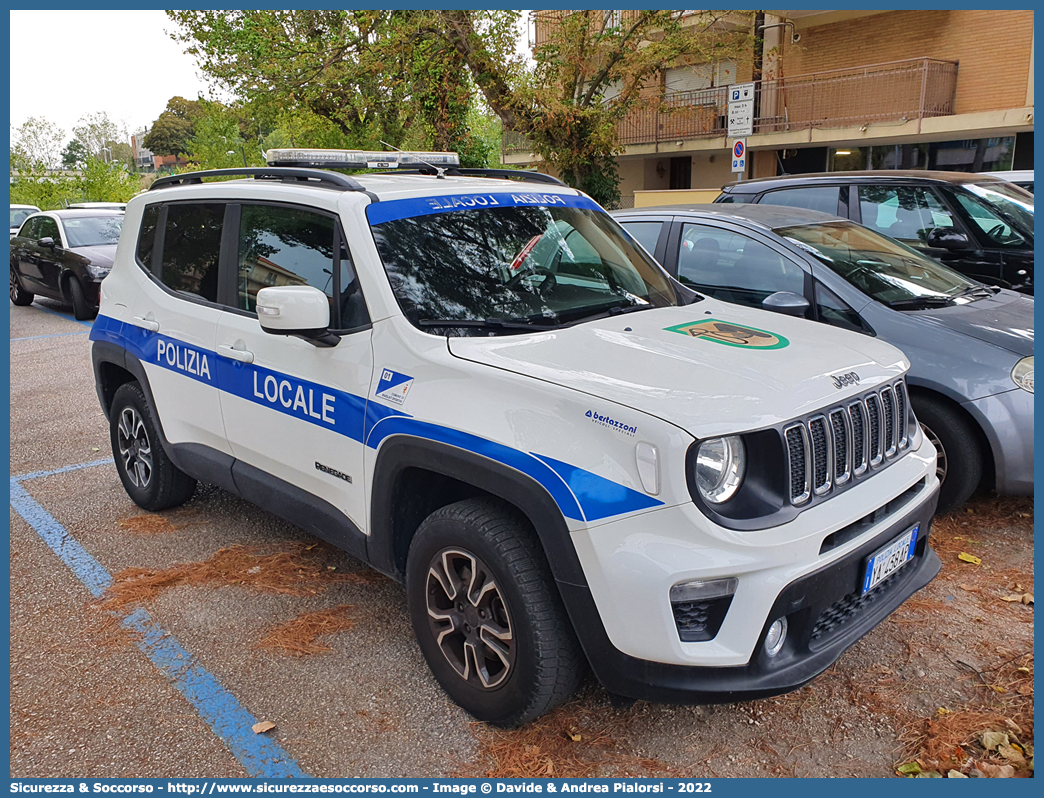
(830,448)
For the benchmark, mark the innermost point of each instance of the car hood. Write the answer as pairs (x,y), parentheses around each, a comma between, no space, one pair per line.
(103,255)
(709,379)
(1004,320)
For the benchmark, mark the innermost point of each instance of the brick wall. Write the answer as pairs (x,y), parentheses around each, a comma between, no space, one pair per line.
(992,47)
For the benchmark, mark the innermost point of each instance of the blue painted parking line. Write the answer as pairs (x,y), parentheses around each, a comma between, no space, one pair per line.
(64,316)
(227,718)
(53,335)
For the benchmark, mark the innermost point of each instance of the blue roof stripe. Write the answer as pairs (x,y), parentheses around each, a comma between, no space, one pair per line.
(393,210)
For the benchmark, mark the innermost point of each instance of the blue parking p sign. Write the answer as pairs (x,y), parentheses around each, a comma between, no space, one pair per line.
(739,156)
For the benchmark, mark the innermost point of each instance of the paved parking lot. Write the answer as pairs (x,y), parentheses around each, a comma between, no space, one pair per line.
(165,679)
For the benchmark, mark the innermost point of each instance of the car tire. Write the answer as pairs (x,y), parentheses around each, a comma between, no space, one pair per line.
(81,310)
(19,296)
(149,477)
(959,464)
(514,621)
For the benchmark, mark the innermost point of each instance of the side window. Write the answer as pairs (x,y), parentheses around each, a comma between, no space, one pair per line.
(815,198)
(991,224)
(733,267)
(47,227)
(284,246)
(902,212)
(834,311)
(352,307)
(191,248)
(147,236)
(29,229)
(724,197)
(645,233)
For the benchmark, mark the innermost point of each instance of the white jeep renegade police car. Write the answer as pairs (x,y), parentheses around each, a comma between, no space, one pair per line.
(486,389)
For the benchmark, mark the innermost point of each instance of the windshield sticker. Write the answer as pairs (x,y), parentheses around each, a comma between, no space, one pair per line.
(393,386)
(393,210)
(723,332)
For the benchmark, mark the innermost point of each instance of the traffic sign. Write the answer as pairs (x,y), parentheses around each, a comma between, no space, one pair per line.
(741,91)
(741,118)
(739,156)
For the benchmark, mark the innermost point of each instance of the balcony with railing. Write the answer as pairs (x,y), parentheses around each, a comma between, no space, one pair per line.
(897,91)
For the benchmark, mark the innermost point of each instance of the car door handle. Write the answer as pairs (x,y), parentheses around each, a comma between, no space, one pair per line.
(148,324)
(242,355)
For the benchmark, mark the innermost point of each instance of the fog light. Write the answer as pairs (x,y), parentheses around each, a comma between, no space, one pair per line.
(776,635)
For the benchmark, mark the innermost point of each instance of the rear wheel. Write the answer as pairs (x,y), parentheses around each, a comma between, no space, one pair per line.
(959,462)
(19,295)
(81,310)
(486,613)
(148,475)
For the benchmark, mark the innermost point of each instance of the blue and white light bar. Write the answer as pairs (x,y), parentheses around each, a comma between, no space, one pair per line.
(359,159)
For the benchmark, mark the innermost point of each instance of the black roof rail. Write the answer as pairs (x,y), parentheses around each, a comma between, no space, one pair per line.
(506,174)
(314,177)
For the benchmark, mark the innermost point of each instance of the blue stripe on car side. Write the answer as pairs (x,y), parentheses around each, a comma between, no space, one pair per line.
(580,494)
(599,497)
(393,210)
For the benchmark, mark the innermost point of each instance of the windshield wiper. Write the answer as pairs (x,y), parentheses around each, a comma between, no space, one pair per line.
(921,302)
(588,314)
(982,290)
(488,324)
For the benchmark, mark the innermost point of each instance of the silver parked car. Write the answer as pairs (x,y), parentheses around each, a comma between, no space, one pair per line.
(970,345)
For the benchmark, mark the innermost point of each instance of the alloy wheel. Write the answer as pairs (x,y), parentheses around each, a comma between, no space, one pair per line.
(135,449)
(14,285)
(469,619)
(940,461)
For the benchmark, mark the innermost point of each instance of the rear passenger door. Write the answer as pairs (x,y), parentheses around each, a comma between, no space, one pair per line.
(179,246)
(733,265)
(291,409)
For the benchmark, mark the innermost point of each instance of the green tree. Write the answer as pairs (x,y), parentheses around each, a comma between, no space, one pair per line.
(36,145)
(74,155)
(560,104)
(171,132)
(216,142)
(101,181)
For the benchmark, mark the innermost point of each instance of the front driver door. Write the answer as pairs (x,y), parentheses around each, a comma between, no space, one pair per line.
(291,409)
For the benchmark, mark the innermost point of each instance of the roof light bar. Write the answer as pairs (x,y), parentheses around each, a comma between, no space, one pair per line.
(359,159)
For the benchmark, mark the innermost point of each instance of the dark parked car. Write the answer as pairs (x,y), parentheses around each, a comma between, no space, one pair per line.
(977,225)
(64,255)
(970,345)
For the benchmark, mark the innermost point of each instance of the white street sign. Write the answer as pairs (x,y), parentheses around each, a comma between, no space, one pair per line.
(741,91)
(739,155)
(741,118)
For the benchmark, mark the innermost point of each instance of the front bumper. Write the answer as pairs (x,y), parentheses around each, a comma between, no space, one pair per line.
(1007,421)
(813,579)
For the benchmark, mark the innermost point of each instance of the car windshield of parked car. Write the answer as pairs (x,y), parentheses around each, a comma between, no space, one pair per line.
(92,231)
(502,268)
(880,267)
(1009,199)
(19,215)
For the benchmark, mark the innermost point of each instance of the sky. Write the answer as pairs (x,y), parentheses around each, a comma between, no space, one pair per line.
(121,62)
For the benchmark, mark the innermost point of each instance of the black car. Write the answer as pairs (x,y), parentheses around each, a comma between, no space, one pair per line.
(976,225)
(64,255)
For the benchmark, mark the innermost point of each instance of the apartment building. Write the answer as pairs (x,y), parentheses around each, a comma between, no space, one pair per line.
(837,90)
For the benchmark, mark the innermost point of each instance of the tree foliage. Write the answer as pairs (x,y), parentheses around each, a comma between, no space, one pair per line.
(357,78)
(172,131)
(101,136)
(74,155)
(560,105)
(97,181)
(36,145)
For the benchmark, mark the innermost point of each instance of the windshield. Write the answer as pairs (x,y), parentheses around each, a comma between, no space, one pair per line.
(502,262)
(92,231)
(1007,198)
(19,215)
(880,267)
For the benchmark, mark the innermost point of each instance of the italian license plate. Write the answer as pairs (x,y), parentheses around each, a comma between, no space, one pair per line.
(886,561)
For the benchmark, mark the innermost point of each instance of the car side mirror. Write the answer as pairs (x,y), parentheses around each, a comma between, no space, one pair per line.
(299,310)
(786,302)
(47,241)
(947,238)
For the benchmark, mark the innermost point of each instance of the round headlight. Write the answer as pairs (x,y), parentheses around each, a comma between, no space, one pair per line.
(720,466)
(1022,374)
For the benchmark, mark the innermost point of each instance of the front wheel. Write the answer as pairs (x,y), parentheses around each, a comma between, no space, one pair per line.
(959,462)
(487,615)
(81,310)
(148,475)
